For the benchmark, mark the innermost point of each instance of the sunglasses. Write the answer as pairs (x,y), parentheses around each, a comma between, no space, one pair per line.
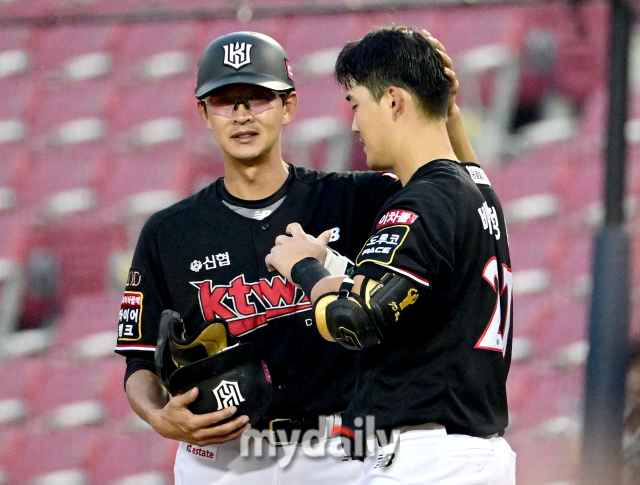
(256,103)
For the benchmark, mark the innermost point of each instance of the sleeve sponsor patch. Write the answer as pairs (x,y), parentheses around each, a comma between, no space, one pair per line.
(478,175)
(130,316)
(397,216)
(381,247)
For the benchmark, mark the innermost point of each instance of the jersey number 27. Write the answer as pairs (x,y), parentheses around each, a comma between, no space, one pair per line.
(494,337)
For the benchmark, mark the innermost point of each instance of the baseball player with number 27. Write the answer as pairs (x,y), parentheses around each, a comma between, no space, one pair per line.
(204,259)
(429,306)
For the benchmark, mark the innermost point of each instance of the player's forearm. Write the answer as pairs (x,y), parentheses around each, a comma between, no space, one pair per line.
(458,137)
(145,394)
(331,284)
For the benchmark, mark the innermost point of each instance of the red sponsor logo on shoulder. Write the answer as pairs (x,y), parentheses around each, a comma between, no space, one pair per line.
(397,216)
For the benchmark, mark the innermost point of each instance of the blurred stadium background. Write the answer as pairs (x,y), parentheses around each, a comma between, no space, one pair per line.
(98,129)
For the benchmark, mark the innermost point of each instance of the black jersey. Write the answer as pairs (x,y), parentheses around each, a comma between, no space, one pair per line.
(447,359)
(202,259)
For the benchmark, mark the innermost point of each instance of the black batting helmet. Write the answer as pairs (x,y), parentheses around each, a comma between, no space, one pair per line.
(226,373)
(243,57)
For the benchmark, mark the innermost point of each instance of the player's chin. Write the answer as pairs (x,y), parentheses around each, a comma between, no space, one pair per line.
(246,153)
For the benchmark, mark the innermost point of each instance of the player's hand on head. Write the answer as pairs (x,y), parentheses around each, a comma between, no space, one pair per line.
(176,421)
(291,248)
(448,69)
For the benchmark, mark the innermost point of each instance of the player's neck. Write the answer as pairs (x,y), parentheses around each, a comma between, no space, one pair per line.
(419,145)
(255,180)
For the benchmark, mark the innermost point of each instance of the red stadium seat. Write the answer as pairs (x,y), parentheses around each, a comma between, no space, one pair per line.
(62,171)
(568,325)
(137,42)
(577,260)
(159,169)
(15,37)
(555,394)
(142,452)
(64,103)
(20,379)
(144,103)
(82,244)
(15,166)
(521,384)
(19,99)
(585,189)
(547,169)
(59,44)
(329,31)
(84,316)
(532,314)
(14,236)
(550,459)
(537,245)
(322,97)
(67,383)
(209,30)
(41,453)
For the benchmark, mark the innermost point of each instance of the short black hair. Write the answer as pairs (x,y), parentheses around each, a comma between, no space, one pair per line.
(396,56)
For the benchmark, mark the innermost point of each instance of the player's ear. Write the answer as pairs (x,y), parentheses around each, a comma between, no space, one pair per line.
(202,111)
(290,106)
(396,100)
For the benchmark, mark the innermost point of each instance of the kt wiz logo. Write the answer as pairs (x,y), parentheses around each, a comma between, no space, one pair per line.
(227,394)
(237,55)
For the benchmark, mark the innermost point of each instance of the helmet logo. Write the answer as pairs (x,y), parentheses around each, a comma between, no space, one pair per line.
(237,55)
(227,394)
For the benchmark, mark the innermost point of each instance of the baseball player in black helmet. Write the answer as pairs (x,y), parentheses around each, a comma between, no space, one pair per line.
(203,258)
(429,307)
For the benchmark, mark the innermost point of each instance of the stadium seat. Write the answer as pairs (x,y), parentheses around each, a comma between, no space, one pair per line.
(209,30)
(157,169)
(171,98)
(549,169)
(58,105)
(577,259)
(329,31)
(531,315)
(585,189)
(81,245)
(86,317)
(15,167)
(138,41)
(54,172)
(545,460)
(68,452)
(15,37)
(14,236)
(20,379)
(73,394)
(20,98)
(60,44)
(568,325)
(537,245)
(322,97)
(135,454)
(521,383)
